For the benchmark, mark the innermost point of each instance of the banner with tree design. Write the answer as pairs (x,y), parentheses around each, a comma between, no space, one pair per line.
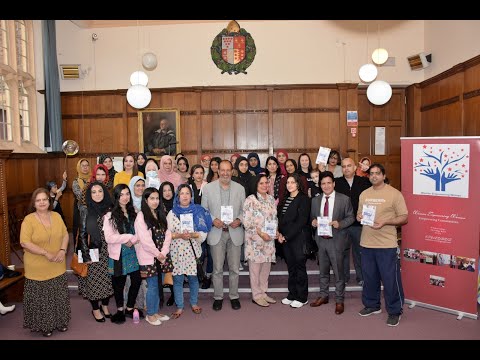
(440,243)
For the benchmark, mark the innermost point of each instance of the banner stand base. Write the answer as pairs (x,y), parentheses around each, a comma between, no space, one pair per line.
(460,314)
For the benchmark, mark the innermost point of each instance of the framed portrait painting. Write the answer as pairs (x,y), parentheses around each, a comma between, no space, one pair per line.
(159,132)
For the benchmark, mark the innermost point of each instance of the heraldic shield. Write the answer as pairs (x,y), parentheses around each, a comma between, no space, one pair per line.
(233,49)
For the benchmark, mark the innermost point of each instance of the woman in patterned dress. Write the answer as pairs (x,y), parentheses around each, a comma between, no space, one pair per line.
(98,283)
(259,210)
(185,246)
(152,250)
(44,237)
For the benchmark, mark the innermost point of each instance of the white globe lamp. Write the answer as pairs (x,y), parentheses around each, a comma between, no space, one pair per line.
(139,96)
(379,92)
(149,61)
(139,78)
(380,56)
(368,72)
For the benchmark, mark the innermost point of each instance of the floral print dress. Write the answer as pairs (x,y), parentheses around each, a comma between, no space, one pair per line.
(255,213)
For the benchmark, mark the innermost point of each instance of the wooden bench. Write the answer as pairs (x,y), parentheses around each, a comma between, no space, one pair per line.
(11,289)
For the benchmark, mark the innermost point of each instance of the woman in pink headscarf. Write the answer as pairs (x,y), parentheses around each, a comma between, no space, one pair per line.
(167,173)
(282,156)
(363,165)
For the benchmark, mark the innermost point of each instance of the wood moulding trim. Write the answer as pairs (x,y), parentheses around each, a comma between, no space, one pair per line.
(306,110)
(123,92)
(91,116)
(5,154)
(231,151)
(471,94)
(446,74)
(34,156)
(440,103)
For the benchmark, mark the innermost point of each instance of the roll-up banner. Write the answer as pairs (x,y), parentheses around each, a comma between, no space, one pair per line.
(440,242)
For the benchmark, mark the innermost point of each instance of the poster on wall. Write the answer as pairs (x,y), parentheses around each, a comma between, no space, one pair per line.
(440,242)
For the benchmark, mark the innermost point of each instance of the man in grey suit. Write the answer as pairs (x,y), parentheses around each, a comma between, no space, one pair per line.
(224,199)
(336,211)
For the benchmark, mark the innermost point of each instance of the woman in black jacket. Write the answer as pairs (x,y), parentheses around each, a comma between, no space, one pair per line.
(293,226)
(98,283)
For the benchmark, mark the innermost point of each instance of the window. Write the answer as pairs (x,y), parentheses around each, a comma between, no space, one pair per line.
(21,45)
(18,117)
(3,42)
(5,111)
(24,112)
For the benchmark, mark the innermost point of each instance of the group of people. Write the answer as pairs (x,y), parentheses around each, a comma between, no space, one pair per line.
(152,219)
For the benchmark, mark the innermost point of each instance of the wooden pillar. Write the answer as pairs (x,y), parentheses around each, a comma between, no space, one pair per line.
(4,228)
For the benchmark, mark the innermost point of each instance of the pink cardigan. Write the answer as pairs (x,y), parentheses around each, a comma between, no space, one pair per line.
(114,239)
(145,248)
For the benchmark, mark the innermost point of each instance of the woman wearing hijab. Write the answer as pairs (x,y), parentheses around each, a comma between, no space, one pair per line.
(282,157)
(167,173)
(137,187)
(107,160)
(254,164)
(185,246)
(182,168)
(98,283)
(79,187)
(244,177)
(100,174)
(141,159)
(151,174)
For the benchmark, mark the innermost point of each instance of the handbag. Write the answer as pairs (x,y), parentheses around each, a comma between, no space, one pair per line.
(200,271)
(80,269)
(168,279)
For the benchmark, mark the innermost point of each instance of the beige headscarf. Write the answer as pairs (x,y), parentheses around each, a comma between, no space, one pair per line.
(82,178)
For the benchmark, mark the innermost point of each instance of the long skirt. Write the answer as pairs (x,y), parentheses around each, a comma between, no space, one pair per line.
(46,304)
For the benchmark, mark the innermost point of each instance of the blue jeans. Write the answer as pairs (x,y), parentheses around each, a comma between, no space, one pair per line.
(206,252)
(178,290)
(153,297)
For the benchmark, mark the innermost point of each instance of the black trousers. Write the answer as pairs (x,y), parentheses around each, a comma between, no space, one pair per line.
(297,269)
(118,283)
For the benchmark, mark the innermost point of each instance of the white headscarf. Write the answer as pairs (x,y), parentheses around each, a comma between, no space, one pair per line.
(136,200)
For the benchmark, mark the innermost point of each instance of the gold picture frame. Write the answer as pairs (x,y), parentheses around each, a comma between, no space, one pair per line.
(151,140)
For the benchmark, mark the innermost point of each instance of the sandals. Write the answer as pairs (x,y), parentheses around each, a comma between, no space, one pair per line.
(176,314)
(197,309)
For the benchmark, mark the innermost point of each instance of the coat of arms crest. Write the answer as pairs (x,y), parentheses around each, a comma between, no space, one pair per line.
(233,49)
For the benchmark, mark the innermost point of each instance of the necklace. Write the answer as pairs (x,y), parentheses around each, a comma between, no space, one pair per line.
(49,233)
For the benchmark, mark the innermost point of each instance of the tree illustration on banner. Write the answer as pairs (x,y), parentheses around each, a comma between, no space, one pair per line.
(443,167)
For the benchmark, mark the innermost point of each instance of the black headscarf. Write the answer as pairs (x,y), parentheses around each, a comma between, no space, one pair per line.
(96,211)
(168,204)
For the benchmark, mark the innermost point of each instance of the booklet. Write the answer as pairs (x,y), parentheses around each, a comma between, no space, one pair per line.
(186,223)
(322,156)
(323,227)
(271,228)
(226,214)
(368,213)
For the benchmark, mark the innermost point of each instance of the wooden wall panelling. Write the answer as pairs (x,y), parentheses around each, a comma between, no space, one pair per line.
(471,78)
(442,121)
(4,211)
(472,116)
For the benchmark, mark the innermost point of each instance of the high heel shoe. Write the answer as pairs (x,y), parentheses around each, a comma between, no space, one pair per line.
(108,316)
(98,320)
(47,333)
(171,300)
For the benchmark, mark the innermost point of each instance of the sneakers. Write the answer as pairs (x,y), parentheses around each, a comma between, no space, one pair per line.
(393,320)
(153,320)
(240,268)
(297,304)
(360,283)
(286,301)
(369,311)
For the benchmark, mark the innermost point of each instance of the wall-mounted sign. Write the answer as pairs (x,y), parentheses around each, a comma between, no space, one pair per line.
(352,118)
(233,49)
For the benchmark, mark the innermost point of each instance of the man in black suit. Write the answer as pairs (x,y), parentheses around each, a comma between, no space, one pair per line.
(352,185)
(335,208)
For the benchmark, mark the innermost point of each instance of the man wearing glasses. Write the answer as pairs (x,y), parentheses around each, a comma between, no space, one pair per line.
(381,209)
